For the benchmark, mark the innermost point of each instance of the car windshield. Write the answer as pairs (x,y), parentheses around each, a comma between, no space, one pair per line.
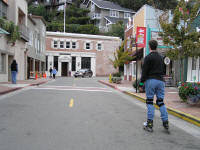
(82,70)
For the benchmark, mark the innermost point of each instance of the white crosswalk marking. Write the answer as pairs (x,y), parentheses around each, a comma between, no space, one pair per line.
(72,88)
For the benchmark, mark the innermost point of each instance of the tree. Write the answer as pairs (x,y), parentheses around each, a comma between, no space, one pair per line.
(77,20)
(184,41)
(117,30)
(39,10)
(137,4)
(121,57)
(163,4)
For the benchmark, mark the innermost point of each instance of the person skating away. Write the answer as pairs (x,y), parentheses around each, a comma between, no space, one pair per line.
(14,70)
(152,76)
(50,71)
(54,71)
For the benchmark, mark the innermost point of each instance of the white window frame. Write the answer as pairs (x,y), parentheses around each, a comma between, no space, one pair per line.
(97,47)
(38,46)
(74,46)
(88,48)
(127,15)
(30,38)
(114,13)
(55,44)
(67,45)
(63,44)
(35,41)
(195,66)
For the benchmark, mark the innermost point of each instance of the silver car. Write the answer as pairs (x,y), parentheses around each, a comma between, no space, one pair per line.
(83,73)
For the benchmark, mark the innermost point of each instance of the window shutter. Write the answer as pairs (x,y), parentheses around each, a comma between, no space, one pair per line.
(84,45)
(91,46)
(97,46)
(52,42)
(77,45)
(102,46)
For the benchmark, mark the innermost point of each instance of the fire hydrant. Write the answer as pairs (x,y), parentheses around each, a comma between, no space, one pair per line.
(110,78)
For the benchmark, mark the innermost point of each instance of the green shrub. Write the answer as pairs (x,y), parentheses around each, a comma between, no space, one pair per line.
(118,74)
(188,90)
(116,80)
(11,28)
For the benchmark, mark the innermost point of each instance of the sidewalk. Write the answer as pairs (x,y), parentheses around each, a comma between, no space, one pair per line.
(175,106)
(6,87)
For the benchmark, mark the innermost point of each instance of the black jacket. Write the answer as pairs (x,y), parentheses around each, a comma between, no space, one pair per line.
(153,67)
(14,67)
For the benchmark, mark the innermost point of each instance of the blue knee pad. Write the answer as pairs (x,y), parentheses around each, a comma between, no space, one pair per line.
(160,102)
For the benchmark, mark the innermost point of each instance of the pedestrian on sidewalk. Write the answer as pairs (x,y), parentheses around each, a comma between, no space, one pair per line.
(152,75)
(50,71)
(14,70)
(54,71)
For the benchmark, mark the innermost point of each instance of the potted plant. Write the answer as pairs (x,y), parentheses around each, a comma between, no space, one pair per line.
(116,78)
(190,92)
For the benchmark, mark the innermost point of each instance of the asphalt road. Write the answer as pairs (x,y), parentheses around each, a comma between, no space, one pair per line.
(82,114)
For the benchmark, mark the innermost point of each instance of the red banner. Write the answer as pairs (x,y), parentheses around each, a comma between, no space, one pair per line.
(141,36)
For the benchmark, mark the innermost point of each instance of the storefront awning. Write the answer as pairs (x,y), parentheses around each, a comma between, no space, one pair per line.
(2,31)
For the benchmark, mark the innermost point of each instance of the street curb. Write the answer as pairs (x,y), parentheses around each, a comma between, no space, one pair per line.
(18,88)
(10,90)
(187,117)
(36,84)
(112,86)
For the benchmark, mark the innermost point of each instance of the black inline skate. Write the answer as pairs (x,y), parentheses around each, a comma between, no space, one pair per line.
(148,126)
(166,126)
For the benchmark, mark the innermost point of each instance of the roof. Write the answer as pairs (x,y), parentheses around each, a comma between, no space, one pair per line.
(110,5)
(39,17)
(59,34)
(2,31)
(198,12)
(115,20)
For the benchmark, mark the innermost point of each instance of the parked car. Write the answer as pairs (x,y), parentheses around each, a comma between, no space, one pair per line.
(83,73)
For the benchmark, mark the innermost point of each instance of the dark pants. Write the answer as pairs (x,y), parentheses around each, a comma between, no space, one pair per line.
(54,76)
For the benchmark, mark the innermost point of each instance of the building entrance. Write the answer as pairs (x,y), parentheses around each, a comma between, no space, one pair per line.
(64,69)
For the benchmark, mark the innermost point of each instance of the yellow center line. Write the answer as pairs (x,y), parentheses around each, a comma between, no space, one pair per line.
(71,103)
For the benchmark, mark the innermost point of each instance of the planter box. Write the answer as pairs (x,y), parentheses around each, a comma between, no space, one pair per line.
(116,80)
(194,99)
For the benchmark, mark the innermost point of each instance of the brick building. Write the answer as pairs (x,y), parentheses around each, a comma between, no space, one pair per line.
(69,52)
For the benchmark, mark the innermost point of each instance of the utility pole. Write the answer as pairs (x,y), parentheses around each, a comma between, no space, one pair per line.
(136,65)
(64,15)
